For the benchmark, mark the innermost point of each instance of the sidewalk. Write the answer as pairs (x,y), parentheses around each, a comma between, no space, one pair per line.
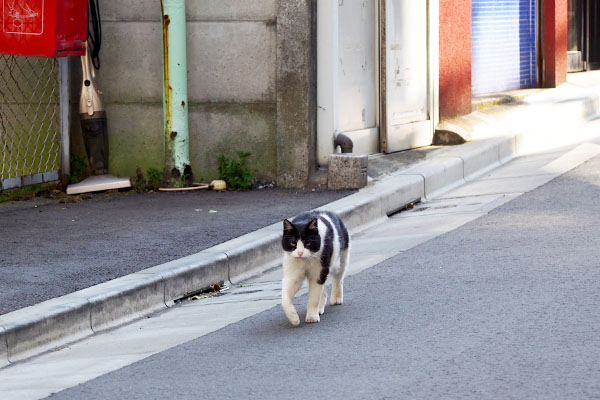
(56,249)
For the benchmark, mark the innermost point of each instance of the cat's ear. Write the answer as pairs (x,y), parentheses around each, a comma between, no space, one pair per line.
(288,227)
(313,226)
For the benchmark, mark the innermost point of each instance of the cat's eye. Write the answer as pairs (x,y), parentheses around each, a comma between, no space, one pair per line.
(293,244)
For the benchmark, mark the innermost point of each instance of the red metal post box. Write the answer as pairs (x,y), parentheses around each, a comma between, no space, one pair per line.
(52,28)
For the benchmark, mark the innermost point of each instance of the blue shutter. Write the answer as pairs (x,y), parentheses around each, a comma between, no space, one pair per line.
(503,45)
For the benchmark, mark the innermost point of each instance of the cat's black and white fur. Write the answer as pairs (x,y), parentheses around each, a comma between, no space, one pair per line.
(316,244)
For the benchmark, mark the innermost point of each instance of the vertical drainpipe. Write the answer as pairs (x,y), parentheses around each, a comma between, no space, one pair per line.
(175,101)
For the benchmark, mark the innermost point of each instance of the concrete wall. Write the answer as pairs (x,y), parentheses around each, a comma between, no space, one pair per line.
(296,92)
(232,84)
(455,57)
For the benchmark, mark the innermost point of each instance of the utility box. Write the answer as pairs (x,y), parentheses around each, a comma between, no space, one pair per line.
(51,28)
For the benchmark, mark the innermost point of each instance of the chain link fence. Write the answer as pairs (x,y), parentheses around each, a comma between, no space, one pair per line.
(29,120)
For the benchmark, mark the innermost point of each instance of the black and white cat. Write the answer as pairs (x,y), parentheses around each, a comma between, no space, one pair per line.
(315,244)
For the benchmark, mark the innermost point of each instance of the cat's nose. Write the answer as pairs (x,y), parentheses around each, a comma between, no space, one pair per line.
(300,252)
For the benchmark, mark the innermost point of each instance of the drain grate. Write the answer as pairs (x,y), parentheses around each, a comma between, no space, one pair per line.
(406,207)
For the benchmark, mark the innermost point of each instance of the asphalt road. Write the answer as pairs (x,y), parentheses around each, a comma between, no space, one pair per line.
(52,249)
(506,306)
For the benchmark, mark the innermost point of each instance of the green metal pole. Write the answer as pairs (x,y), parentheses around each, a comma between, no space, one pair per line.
(175,101)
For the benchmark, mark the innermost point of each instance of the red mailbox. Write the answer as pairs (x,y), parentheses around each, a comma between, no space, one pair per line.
(52,28)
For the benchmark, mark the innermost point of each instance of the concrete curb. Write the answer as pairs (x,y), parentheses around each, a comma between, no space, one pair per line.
(39,328)
(35,329)
(3,349)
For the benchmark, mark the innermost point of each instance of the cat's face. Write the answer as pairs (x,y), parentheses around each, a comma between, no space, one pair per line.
(301,241)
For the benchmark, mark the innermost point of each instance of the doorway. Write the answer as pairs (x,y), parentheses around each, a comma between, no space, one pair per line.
(503,45)
(375,79)
(584,36)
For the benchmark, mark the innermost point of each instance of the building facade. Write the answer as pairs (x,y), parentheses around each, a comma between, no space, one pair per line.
(495,46)
(283,79)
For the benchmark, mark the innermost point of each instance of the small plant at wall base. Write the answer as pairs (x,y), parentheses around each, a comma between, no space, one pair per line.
(155,178)
(79,170)
(22,194)
(236,173)
(153,181)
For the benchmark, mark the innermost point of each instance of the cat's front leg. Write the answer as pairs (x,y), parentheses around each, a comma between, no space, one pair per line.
(315,292)
(289,288)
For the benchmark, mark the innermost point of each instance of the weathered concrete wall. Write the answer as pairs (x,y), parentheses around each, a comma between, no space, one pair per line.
(296,92)
(232,81)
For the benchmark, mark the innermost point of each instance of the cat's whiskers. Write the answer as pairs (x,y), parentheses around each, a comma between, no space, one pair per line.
(311,255)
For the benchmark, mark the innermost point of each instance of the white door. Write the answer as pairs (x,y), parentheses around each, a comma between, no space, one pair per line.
(358,74)
(347,75)
(406,79)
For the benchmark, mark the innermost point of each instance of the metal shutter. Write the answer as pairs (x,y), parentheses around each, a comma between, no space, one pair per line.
(503,45)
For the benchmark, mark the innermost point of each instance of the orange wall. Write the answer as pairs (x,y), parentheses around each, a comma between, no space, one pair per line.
(455,57)
(455,52)
(554,31)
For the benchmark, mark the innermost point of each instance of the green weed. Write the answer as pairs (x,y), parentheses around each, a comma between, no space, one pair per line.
(155,178)
(23,194)
(236,173)
(79,169)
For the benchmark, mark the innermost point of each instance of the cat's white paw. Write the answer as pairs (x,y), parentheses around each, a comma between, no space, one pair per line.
(294,319)
(321,311)
(312,318)
(336,300)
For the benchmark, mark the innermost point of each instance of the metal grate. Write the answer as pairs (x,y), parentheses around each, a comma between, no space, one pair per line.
(29,120)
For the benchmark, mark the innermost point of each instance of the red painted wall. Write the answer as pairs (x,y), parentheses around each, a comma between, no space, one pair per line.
(455,57)
(554,31)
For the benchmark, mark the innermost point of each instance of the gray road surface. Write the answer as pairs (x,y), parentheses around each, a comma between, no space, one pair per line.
(55,249)
(507,306)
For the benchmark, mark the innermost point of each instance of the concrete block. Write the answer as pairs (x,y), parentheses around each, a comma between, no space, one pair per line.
(223,10)
(577,109)
(3,348)
(439,173)
(252,253)
(214,130)
(38,328)
(135,136)
(357,210)
(399,190)
(227,62)
(377,201)
(507,149)
(123,299)
(481,157)
(192,273)
(131,70)
(129,11)
(347,171)
(231,62)
(225,129)
(232,10)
